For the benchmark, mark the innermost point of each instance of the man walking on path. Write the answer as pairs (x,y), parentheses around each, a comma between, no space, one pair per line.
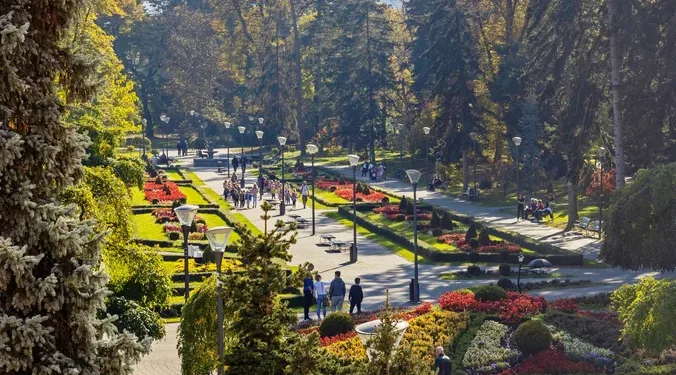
(337,293)
(442,364)
(356,296)
(235,163)
(304,192)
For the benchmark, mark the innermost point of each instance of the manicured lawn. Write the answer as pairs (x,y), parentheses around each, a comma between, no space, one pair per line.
(138,197)
(192,195)
(173,176)
(146,228)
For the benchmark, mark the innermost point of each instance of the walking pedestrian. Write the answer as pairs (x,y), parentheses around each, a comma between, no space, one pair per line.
(356,296)
(337,293)
(254,194)
(235,163)
(243,163)
(304,192)
(308,291)
(365,169)
(242,198)
(320,295)
(521,201)
(293,198)
(185,147)
(442,364)
(179,147)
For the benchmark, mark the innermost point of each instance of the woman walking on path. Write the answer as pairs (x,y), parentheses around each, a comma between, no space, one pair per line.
(320,294)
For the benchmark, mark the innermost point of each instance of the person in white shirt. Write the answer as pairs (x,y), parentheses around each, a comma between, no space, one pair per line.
(320,294)
(304,192)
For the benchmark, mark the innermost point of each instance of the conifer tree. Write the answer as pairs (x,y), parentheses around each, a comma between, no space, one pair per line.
(51,284)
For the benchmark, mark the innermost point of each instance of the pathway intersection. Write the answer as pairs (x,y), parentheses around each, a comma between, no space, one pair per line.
(381,270)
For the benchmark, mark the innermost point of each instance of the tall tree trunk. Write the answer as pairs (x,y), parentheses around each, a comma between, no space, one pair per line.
(299,78)
(572,205)
(372,135)
(318,68)
(465,170)
(616,81)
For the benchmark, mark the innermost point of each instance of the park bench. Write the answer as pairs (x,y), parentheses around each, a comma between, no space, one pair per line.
(325,239)
(338,245)
(271,161)
(594,226)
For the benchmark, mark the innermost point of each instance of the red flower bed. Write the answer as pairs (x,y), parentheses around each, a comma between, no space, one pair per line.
(166,192)
(387,209)
(392,217)
(163,212)
(451,238)
(510,311)
(566,305)
(326,184)
(457,301)
(326,341)
(612,317)
(551,362)
(346,193)
(421,216)
(458,239)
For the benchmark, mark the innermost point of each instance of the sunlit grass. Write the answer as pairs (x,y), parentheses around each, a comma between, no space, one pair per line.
(192,196)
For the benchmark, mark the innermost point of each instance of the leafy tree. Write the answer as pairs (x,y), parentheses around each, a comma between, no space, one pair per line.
(646,310)
(639,227)
(51,283)
(141,321)
(130,170)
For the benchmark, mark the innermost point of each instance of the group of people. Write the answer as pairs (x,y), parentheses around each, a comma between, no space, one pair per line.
(237,162)
(240,196)
(373,172)
(182,147)
(535,210)
(334,297)
(435,183)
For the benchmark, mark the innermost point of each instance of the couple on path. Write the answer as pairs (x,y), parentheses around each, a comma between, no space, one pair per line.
(334,297)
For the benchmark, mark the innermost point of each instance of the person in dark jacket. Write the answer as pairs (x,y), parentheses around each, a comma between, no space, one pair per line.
(337,293)
(235,163)
(356,296)
(442,364)
(308,291)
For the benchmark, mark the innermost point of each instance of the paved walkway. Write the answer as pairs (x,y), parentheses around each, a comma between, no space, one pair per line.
(379,269)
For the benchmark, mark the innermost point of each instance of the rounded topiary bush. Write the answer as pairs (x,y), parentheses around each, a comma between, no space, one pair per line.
(490,293)
(358,200)
(532,337)
(484,238)
(437,232)
(335,324)
(473,243)
(385,200)
(505,269)
(366,190)
(332,188)
(474,270)
(174,236)
(155,201)
(505,283)
(400,217)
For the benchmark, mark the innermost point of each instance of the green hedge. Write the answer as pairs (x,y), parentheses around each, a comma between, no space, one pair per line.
(563,258)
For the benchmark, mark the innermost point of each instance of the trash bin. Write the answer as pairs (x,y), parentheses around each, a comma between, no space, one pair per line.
(411,290)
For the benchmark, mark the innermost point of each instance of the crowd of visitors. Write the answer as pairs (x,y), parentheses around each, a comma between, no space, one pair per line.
(373,172)
(535,210)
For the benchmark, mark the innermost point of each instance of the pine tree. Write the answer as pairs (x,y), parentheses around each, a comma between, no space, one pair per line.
(403,204)
(484,238)
(51,283)
(471,232)
(436,220)
(446,222)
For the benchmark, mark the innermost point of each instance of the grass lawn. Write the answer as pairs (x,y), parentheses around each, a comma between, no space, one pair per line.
(192,195)
(173,176)
(138,198)
(146,228)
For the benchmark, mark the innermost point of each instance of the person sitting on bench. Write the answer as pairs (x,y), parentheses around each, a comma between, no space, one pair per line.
(436,183)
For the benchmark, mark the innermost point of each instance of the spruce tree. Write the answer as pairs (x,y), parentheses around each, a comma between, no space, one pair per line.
(436,220)
(471,233)
(484,238)
(51,282)
(446,222)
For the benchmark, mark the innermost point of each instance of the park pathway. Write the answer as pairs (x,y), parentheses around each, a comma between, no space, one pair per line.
(380,271)
(493,216)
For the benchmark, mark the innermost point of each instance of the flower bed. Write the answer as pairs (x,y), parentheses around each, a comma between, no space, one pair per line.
(566,305)
(437,328)
(551,362)
(580,350)
(486,352)
(458,239)
(343,190)
(349,350)
(164,193)
(512,310)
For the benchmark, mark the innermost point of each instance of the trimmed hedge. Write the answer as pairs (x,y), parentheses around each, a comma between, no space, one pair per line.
(565,258)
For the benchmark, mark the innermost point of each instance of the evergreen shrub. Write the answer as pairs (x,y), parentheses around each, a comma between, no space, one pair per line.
(335,324)
(532,337)
(490,293)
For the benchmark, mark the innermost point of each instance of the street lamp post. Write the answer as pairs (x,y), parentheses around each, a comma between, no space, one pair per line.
(518,278)
(259,135)
(473,135)
(227,147)
(601,155)
(312,150)
(414,177)
(426,130)
(282,205)
(144,122)
(165,119)
(218,240)
(251,123)
(241,137)
(400,127)
(354,160)
(186,214)
(517,142)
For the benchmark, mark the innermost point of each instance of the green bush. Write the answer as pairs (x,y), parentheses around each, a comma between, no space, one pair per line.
(504,269)
(532,337)
(136,319)
(437,232)
(366,190)
(400,217)
(505,283)
(474,270)
(385,200)
(484,239)
(208,255)
(335,324)
(360,188)
(409,207)
(471,232)
(598,332)
(403,204)
(436,220)
(490,293)
(174,236)
(446,222)
(332,188)
(473,243)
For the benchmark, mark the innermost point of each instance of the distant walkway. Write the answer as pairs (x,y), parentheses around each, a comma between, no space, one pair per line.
(589,247)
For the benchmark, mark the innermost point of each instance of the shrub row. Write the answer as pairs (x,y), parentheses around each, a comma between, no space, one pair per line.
(566,259)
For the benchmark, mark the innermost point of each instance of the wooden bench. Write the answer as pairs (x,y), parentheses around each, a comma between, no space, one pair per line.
(471,194)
